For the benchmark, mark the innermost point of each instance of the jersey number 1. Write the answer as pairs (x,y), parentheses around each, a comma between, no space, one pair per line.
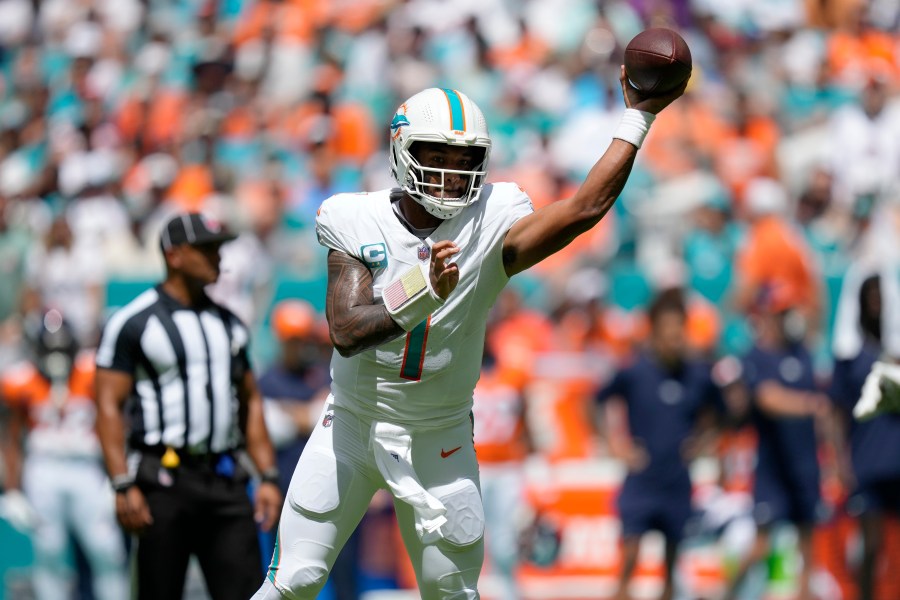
(414,353)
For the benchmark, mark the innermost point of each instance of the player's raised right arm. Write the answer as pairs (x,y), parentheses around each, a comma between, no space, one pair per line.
(551,228)
(355,322)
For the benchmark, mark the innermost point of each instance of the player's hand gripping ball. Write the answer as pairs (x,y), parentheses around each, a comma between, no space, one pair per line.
(657,61)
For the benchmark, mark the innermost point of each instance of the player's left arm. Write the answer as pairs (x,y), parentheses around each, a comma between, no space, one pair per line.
(261,451)
(356,322)
(546,231)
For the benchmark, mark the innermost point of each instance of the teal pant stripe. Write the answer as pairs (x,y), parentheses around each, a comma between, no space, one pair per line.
(276,556)
(457,118)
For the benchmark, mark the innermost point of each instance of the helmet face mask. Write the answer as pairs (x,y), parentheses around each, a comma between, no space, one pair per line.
(447,117)
(450,190)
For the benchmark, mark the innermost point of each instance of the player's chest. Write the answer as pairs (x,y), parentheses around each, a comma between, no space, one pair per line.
(389,257)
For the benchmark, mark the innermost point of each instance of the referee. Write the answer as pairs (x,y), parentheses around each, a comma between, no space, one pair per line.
(177,362)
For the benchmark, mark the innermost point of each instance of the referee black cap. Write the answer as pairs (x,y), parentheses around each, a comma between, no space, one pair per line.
(194,229)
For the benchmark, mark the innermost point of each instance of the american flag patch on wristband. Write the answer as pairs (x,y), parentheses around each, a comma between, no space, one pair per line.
(401,291)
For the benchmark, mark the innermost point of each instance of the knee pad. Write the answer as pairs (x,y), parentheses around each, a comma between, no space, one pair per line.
(465,514)
(462,585)
(306,580)
(51,548)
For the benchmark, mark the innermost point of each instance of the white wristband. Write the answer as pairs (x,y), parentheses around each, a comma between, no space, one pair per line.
(634,126)
(410,299)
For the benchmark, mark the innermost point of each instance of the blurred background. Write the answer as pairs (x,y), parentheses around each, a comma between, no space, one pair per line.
(781,164)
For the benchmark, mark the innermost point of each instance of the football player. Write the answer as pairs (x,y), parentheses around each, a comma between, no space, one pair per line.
(412,274)
(58,464)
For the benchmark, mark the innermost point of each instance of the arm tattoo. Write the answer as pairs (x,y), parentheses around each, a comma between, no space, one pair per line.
(355,322)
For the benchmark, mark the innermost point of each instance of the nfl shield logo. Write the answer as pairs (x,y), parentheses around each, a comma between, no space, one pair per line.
(424,252)
(328,420)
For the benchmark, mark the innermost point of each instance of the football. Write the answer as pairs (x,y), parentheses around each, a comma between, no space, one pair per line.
(657,61)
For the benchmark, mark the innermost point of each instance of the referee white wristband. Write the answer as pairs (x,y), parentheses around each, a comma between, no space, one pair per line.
(634,126)
(410,298)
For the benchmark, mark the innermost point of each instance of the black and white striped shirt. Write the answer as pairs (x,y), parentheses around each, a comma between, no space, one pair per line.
(186,363)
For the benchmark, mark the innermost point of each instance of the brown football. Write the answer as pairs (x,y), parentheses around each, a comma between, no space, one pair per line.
(657,60)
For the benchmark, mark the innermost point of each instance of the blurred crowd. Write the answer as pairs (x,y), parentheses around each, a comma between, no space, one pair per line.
(779,168)
(115,114)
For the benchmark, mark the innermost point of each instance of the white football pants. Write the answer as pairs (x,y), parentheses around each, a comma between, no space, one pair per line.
(330,491)
(74,495)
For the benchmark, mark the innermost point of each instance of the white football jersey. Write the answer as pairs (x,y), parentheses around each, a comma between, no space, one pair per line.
(426,377)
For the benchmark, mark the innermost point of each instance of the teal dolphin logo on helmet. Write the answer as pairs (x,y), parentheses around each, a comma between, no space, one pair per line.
(399,121)
(441,116)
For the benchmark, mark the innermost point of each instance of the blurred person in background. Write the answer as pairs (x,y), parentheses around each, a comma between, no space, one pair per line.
(774,254)
(868,131)
(294,390)
(295,387)
(64,275)
(391,287)
(179,364)
(15,243)
(869,307)
(53,456)
(786,402)
(669,399)
(710,244)
(502,444)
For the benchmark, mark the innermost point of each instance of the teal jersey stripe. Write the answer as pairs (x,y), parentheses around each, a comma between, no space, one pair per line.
(415,352)
(457,117)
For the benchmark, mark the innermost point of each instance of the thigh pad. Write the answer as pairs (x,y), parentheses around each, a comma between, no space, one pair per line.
(465,513)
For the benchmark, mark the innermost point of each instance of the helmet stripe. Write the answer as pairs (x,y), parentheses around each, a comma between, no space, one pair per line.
(457,113)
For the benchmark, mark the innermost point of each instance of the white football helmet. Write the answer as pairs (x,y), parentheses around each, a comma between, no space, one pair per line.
(448,117)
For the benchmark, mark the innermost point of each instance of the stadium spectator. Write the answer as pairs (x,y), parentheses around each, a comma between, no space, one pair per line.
(196,91)
(15,242)
(667,396)
(64,276)
(774,255)
(179,364)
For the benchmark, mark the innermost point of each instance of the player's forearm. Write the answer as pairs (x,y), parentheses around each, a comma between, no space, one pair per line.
(111,433)
(551,229)
(779,401)
(603,184)
(259,446)
(355,322)
(363,328)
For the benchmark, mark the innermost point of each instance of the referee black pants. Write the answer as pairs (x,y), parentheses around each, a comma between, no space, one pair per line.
(196,511)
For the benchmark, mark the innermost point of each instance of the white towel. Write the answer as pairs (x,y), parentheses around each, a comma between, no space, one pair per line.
(879,392)
(392,446)
(848,336)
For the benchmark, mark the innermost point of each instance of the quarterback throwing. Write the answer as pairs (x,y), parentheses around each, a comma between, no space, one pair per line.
(412,274)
